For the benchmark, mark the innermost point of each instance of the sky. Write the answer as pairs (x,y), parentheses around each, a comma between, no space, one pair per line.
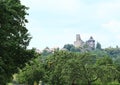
(54,23)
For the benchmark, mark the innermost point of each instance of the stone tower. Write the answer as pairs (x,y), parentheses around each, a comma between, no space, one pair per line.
(91,42)
(78,42)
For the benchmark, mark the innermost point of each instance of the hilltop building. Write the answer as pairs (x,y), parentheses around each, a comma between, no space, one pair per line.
(80,43)
(91,42)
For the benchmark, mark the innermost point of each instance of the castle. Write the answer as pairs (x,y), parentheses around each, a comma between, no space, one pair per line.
(80,43)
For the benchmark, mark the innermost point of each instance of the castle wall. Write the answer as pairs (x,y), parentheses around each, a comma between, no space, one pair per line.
(80,43)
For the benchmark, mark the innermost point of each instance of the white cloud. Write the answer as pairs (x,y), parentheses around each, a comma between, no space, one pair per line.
(118,37)
(53,5)
(112,26)
(106,9)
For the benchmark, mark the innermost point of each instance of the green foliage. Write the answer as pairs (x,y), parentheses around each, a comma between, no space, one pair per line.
(104,60)
(14,39)
(71,48)
(70,68)
(113,52)
(117,65)
(98,46)
(99,53)
(68,46)
(33,71)
(46,53)
(107,69)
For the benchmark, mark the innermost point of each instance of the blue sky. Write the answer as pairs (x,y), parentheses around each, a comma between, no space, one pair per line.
(54,23)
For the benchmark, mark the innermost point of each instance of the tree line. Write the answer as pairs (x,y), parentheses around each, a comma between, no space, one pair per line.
(70,68)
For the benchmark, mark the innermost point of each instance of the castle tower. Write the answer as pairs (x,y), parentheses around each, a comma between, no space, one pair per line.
(91,42)
(78,42)
(78,38)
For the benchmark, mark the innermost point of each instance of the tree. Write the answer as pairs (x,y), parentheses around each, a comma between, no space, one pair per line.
(99,53)
(71,68)
(14,38)
(107,69)
(33,71)
(68,46)
(74,69)
(98,46)
(46,51)
(117,65)
(113,52)
(72,48)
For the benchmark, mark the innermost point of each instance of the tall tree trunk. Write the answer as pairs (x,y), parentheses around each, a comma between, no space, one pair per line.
(73,82)
(89,83)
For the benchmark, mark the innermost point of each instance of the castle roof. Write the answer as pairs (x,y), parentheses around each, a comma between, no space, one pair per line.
(91,39)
